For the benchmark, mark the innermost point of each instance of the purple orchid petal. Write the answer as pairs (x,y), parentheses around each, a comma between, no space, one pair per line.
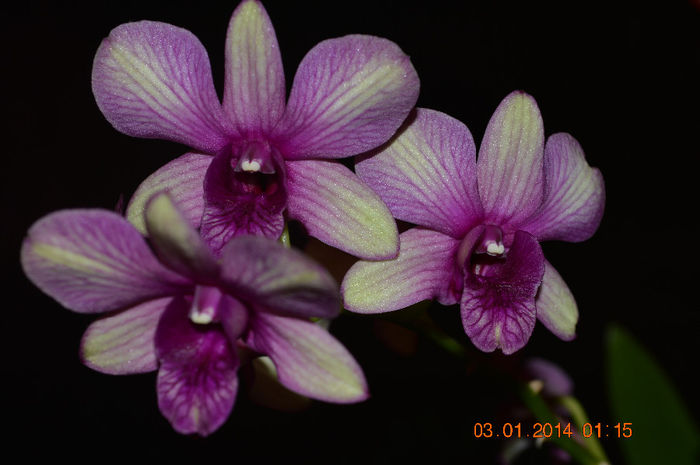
(556,307)
(123,344)
(424,269)
(349,95)
(336,207)
(427,175)
(498,301)
(197,380)
(183,180)
(177,243)
(273,278)
(574,194)
(234,318)
(254,90)
(267,391)
(556,382)
(309,361)
(94,261)
(510,165)
(154,80)
(240,202)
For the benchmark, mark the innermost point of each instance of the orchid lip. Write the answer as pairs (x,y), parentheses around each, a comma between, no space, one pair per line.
(238,201)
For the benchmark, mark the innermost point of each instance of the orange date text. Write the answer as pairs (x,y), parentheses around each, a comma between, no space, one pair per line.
(507,430)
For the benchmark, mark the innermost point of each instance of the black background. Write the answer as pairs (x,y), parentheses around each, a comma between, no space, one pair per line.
(623,80)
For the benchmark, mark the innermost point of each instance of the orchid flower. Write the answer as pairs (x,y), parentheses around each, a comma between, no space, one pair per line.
(255,157)
(480,223)
(184,313)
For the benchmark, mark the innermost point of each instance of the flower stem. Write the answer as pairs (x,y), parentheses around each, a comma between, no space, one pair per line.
(578,414)
(537,405)
(417,319)
(592,454)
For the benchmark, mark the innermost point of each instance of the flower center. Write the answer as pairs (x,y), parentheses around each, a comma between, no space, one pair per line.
(206,305)
(255,168)
(211,306)
(481,247)
(491,242)
(254,157)
(245,192)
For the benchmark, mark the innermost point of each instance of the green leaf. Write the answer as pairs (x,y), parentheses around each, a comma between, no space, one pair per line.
(641,394)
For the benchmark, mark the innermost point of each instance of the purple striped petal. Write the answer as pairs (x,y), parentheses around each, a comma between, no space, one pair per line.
(238,202)
(183,180)
(271,277)
(336,207)
(349,95)
(177,243)
(574,194)
(124,343)
(498,304)
(94,261)
(427,175)
(556,307)
(424,269)
(154,80)
(254,90)
(510,165)
(197,380)
(309,361)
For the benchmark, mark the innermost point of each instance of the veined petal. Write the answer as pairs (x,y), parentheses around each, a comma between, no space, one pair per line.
(574,194)
(94,261)
(349,95)
(271,277)
(424,269)
(510,164)
(197,380)
(154,80)
(498,308)
(182,179)
(177,243)
(427,174)
(336,207)
(309,361)
(254,91)
(242,203)
(556,307)
(124,343)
